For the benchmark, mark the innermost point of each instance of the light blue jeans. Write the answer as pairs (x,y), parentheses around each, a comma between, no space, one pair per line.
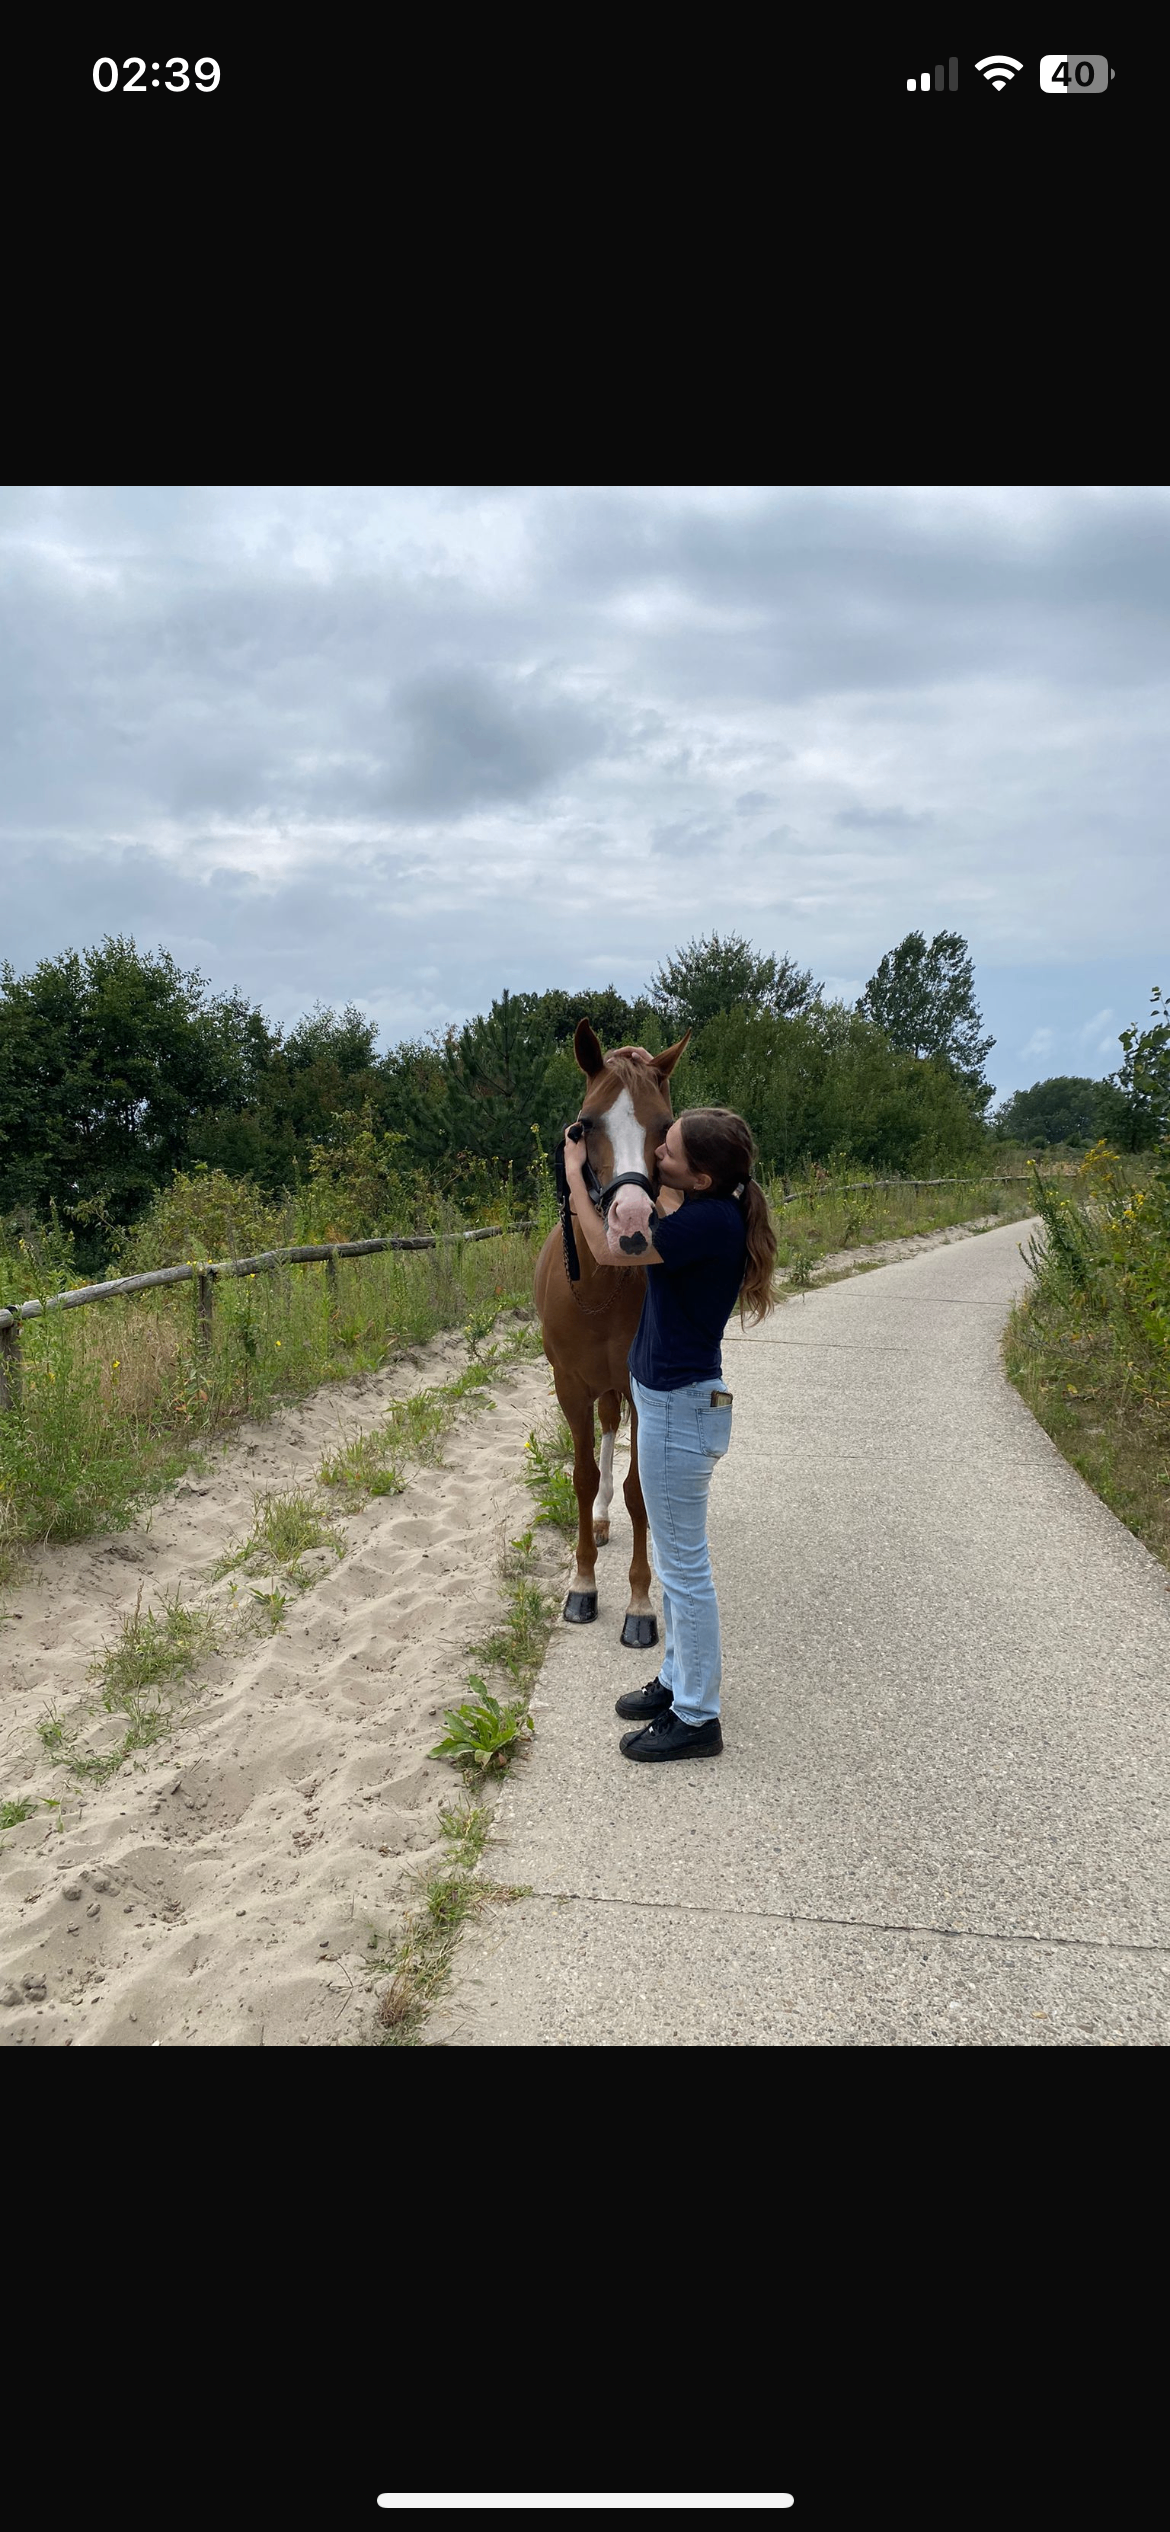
(681,1437)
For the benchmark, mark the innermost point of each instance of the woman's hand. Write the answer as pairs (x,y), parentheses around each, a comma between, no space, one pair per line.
(574,1159)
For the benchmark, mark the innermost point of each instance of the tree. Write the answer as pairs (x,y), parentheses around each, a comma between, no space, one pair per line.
(712,975)
(924,999)
(109,1060)
(1134,1103)
(617,1022)
(829,1080)
(495,1068)
(1062,1110)
(293,1090)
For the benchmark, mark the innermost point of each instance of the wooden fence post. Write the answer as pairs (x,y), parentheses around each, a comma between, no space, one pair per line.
(331,1274)
(204,1297)
(10,1364)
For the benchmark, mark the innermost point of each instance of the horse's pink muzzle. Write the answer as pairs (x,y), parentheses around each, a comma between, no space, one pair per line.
(630,1222)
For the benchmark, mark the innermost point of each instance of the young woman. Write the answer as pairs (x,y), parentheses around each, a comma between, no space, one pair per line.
(713,1243)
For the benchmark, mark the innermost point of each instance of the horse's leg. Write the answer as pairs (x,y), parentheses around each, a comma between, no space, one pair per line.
(641,1624)
(609,1407)
(581,1604)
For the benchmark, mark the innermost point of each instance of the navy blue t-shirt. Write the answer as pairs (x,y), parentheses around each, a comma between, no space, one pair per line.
(690,1297)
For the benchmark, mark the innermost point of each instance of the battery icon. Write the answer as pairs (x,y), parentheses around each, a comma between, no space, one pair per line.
(1075,74)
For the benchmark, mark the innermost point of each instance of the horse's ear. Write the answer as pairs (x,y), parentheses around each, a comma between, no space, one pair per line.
(664,1064)
(587,1050)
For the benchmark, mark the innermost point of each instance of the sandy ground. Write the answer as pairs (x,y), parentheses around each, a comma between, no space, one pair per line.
(220,1889)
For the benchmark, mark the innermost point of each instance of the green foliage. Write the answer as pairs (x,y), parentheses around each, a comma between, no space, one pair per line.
(36,1258)
(12,1813)
(203,1214)
(1065,1109)
(829,1081)
(713,975)
(546,1477)
(272,1606)
(163,1122)
(1143,1079)
(361,1185)
(68,1465)
(144,1677)
(151,1650)
(1089,1343)
(481,1730)
(1106,1260)
(285,1528)
(924,999)
(105,1059)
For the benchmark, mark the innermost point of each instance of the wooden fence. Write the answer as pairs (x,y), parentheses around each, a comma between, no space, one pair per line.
(205,1276)
(869,1186)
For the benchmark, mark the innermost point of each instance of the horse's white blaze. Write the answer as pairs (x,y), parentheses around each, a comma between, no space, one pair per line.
(627,1137)
(630,1210)
(605,1489)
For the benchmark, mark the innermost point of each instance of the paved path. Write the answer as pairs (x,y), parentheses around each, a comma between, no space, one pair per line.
(940,1816)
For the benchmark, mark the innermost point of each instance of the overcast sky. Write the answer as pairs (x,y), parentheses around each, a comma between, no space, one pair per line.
(406,747)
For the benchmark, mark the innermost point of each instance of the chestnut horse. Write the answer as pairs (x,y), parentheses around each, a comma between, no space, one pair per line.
(589,1313)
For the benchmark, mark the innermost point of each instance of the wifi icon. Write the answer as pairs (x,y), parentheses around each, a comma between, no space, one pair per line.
(998,68)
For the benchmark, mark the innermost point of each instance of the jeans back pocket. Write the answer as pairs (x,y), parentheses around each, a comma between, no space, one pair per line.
(714,1414)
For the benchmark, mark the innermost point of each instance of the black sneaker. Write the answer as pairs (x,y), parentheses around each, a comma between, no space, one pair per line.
(640,1703)
(667,1736)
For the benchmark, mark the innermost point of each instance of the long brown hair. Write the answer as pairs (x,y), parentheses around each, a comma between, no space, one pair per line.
(720,1142)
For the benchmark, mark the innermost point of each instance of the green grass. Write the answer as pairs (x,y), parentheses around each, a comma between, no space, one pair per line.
(145,1678)
(12,1813)
(1088,1344)
(549,1457)
(413,1428)
(117,1399)
(825,1218)
(417,1964)
(286,1527)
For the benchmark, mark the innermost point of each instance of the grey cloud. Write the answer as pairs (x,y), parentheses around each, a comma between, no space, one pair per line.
(893,817)
(686,838)
(469,741)
(475,729)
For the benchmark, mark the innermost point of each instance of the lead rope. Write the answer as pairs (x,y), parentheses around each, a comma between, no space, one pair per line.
(623,1274)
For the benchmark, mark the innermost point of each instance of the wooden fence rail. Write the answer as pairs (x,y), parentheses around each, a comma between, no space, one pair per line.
(204,1276)
(868,1186)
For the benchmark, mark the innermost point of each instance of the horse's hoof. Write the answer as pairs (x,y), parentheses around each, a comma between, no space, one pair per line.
(580,1608)
(639,1630)
(601,1537)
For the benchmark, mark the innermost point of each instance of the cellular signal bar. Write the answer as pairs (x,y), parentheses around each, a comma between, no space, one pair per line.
(952,79)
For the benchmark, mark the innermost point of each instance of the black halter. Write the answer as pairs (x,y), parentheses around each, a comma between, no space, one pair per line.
(600,1197)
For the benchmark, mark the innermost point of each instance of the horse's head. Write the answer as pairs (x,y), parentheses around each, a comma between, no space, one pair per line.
(626,1111)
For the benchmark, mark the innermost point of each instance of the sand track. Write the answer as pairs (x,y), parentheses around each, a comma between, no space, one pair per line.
(220,1888)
